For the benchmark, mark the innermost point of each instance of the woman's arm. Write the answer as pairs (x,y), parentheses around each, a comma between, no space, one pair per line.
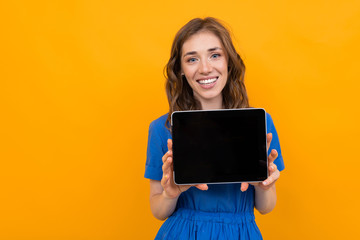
(265,192)
(165,193)
(265,200)
(161,205)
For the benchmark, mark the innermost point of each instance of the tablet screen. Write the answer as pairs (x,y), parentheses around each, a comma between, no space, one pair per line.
(219,146)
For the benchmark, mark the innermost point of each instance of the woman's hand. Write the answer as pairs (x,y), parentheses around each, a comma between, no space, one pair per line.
(274,173)
(171,190)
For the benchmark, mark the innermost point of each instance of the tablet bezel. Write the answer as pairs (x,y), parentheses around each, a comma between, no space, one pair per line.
(217,110)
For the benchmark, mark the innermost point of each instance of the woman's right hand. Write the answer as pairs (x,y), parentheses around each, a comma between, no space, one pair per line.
(171,190)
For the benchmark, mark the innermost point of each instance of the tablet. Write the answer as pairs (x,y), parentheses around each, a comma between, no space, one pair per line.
(219,146)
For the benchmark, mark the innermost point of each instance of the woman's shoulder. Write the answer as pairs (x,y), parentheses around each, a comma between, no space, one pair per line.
(270,123)
(159,122)
(268,117)
(158,125)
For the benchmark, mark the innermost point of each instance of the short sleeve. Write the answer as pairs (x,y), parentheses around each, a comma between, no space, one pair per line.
(156,148)
(275,143)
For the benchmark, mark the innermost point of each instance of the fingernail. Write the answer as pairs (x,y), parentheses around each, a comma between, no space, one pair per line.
(265,182)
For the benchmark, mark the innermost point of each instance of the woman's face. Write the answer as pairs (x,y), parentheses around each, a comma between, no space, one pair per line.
(204,63)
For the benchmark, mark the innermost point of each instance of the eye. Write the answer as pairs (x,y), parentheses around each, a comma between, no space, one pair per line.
(215,55)
(191,60)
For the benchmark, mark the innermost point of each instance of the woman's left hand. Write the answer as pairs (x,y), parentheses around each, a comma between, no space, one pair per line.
(274,173)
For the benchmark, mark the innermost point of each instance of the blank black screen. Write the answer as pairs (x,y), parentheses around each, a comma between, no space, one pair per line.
(219,146)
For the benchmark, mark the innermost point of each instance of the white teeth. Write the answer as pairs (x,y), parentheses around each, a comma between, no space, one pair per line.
(207,81)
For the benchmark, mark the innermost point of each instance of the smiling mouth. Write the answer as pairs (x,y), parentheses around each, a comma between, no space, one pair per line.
(207,81)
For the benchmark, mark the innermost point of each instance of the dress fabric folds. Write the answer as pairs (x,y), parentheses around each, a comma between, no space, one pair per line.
(198,225)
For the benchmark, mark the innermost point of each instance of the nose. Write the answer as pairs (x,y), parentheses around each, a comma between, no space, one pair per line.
(205,67)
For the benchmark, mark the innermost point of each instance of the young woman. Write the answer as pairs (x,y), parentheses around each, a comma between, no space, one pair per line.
(205,72)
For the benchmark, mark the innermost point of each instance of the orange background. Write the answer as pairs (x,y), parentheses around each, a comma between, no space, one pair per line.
(80,81)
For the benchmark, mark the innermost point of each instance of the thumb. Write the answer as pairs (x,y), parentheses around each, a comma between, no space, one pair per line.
(203,187)
(244,186)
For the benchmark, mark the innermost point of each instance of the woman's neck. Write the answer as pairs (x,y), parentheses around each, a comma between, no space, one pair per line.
(212,103)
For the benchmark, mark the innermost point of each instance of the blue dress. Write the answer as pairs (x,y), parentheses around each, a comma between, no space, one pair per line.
(221,212)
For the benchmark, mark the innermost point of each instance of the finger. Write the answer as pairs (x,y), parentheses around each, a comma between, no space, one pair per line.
(268,140)
(272,168)
(167,172)
(164,180)
(169,143)
(244,186)
(203,187)
(272,156)
(167,165)
(166,155)
(272,178)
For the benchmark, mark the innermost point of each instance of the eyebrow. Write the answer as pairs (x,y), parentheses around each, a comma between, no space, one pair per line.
(209,50)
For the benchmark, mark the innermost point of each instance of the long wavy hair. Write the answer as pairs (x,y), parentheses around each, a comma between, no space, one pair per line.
(180,94)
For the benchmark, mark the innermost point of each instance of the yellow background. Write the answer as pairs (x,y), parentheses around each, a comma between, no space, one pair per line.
(80,81)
